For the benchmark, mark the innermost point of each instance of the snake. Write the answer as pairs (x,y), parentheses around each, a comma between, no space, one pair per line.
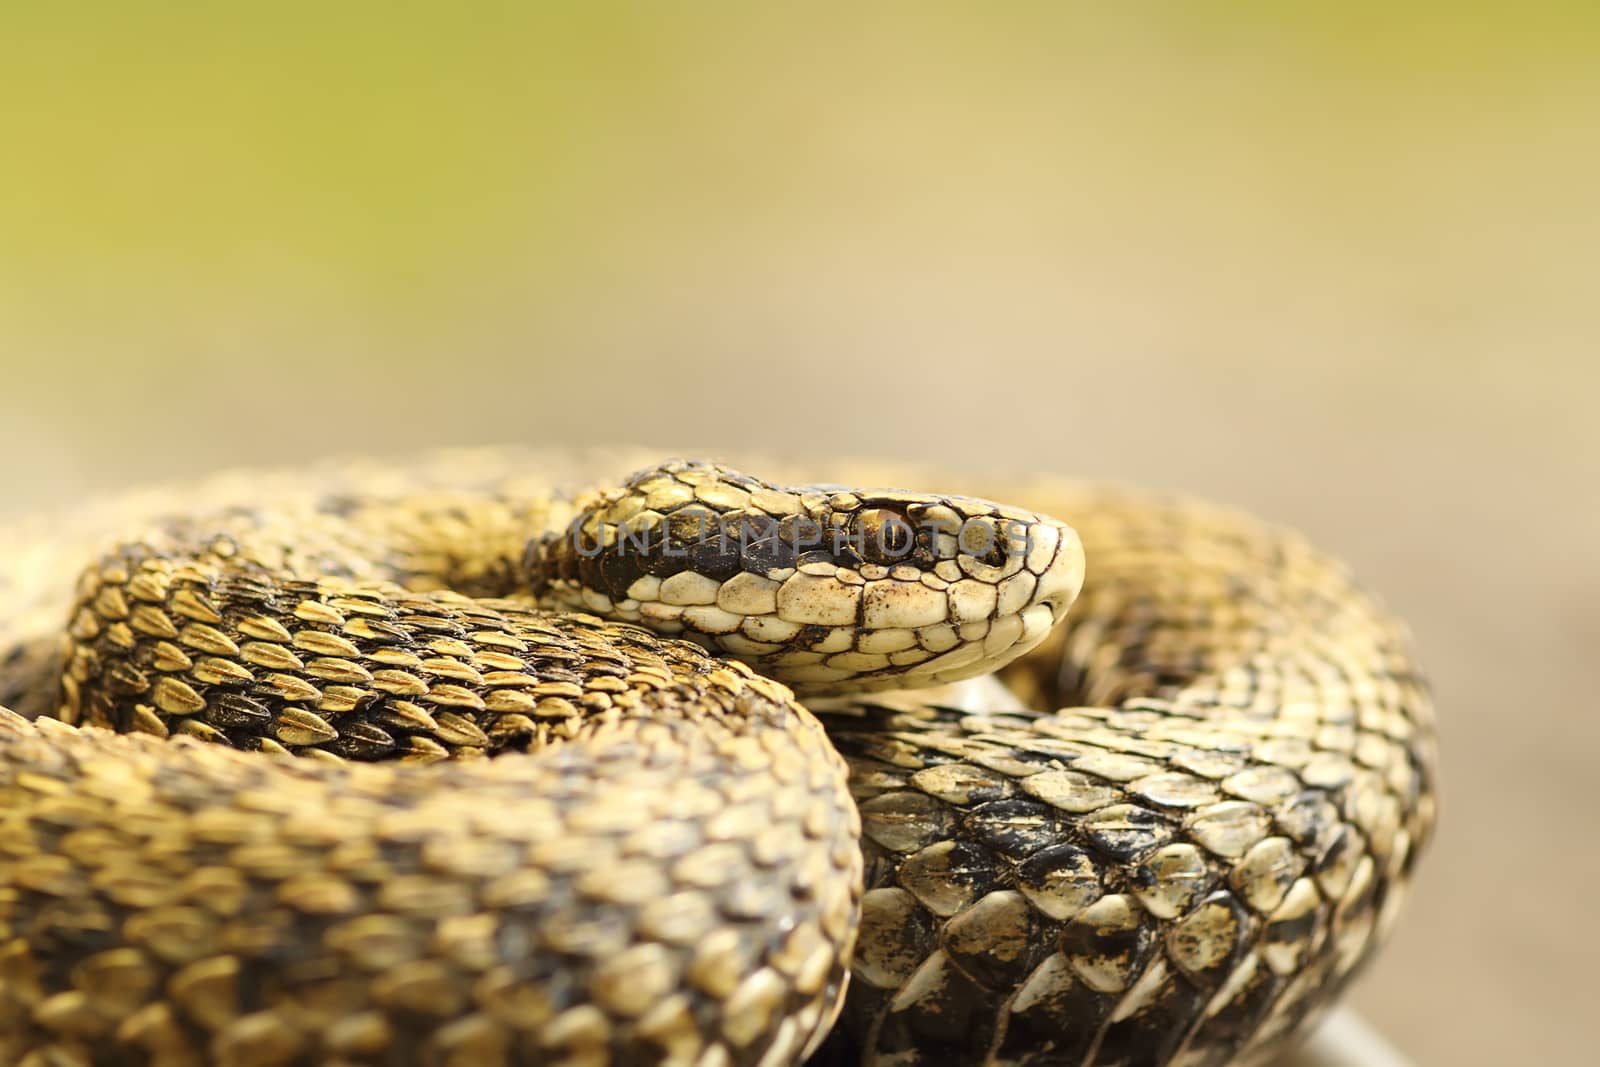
(510,756)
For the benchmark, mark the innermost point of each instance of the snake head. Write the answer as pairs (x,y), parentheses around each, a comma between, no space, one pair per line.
(826,588)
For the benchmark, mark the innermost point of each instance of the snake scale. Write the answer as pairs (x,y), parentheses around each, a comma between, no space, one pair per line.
(1166,831)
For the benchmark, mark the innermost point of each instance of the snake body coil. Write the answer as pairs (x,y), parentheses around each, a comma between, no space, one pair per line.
(1170,837)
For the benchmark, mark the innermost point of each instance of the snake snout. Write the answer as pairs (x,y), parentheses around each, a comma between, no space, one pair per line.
(1062,577)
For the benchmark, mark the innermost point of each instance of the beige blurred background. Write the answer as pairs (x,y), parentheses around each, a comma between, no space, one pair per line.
(1335,266)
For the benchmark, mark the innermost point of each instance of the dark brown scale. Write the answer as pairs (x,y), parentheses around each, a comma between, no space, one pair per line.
(1135,832)
(1155,1033)
(228,711)
(1013,828)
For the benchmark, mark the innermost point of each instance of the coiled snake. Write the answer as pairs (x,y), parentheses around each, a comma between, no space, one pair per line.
(1172,840)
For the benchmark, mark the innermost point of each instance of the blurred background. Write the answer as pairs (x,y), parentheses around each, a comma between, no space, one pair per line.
(1335,265)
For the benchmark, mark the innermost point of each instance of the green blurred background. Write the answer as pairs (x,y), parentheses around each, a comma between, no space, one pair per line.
(1334,263)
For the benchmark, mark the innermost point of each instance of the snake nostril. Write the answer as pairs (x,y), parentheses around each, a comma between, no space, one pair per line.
(1062,579)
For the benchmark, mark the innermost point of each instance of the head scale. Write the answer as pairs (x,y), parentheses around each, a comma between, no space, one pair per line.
(826,588)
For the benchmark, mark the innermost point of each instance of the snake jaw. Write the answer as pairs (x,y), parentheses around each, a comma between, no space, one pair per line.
(823,587)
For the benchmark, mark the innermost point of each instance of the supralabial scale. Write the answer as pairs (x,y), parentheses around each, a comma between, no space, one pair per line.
(514,757)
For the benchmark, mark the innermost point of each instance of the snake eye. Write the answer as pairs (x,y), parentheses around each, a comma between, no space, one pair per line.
(984,541)
(883,536)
